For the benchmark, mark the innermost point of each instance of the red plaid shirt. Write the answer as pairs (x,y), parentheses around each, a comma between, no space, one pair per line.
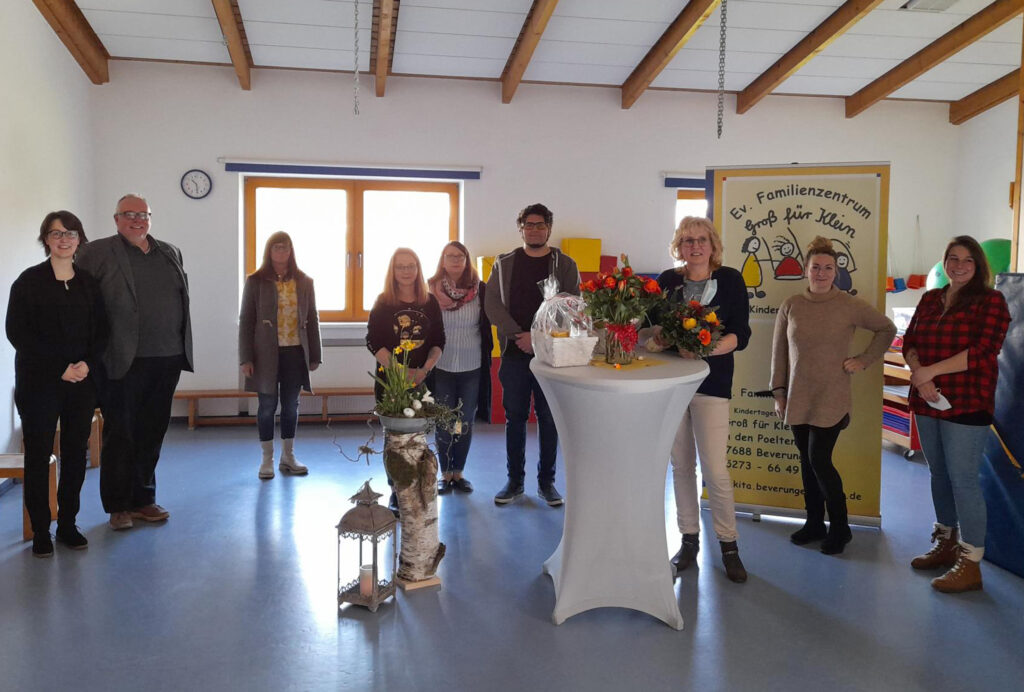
(979,329)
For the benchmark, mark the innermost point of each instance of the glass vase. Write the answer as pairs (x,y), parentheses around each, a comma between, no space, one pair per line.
(614,352)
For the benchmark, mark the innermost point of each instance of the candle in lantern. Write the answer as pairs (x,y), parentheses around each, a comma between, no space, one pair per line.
(366,580)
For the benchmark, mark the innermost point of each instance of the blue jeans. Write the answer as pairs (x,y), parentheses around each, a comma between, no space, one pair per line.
(518,384)
(953,451)
(449,389)
(291,373)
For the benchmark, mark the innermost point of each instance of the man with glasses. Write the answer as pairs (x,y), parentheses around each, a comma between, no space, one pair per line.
(145,292)
(513,296)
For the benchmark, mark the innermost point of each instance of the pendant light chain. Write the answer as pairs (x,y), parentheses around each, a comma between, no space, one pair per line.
(355,69)
(721,69)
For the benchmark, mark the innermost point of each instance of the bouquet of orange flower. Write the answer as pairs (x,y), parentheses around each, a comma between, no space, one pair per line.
(619,299)
(692,327)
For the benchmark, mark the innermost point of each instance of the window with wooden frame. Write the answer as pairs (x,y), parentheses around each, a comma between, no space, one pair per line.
(345,231)
(690,202)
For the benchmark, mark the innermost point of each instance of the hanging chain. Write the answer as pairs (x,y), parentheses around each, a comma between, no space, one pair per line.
(721,69)
(355,69)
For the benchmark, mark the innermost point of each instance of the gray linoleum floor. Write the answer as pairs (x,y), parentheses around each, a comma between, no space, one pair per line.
(237,592)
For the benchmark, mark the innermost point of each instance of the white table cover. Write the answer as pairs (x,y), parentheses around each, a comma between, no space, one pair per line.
(616,429)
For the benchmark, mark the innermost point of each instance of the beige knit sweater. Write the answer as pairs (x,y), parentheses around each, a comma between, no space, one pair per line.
(812,339)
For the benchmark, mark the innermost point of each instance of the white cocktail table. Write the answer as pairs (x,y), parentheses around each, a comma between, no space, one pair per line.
(616,428)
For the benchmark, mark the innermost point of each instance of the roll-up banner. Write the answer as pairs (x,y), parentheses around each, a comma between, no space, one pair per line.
(766,217)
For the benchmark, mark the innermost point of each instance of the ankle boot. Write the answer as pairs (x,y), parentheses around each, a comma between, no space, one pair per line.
(838,536)
(943,553)
(289,464)
(965,575)
(812,530)
(687,551)
(267,465)
(731,559)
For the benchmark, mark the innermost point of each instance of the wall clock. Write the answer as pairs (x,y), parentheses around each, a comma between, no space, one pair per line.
(196,184)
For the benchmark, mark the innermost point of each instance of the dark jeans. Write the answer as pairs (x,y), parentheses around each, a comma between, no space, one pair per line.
(518,384)
(823,486)
(291,374)
(136,411)
(449,389)
(73,404)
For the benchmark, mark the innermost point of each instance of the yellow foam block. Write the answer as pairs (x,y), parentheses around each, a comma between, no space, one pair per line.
(496,351)
(483,267)
(585,251)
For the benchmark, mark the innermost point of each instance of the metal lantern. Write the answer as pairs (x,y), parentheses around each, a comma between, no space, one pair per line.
(373,527)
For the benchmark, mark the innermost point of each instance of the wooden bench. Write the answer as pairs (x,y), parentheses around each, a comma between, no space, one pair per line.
(194,396)
(13,466)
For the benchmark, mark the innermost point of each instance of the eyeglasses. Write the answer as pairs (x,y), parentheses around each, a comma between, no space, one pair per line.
(405,267)
(57,235)
(535,225)
(278,247)
(456,258)
(690,242)
(135,215)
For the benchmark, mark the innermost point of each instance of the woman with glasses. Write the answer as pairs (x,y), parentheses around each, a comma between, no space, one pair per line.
(56,323)
(405,314)
(278,346)
(810,382)
(951,346)
(704,431)
(462,374)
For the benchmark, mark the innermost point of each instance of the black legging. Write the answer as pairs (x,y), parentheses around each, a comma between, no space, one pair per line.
(823,486)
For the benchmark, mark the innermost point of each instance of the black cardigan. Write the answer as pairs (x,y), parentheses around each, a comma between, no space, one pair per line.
(52,325)
(734,313)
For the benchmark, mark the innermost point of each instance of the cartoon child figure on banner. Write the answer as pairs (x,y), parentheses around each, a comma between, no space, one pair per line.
(844,267)
(753,277)
(790,267)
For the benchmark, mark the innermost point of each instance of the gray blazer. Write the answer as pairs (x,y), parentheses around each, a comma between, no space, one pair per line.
(257,330)
(107,260)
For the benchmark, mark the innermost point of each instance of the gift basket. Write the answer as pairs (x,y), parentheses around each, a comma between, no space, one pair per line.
(561,331)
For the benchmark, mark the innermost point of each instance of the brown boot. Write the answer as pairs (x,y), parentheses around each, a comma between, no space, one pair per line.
(943,553)
(964,576)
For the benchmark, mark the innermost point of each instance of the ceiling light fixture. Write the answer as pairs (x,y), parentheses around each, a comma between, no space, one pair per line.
(721,68)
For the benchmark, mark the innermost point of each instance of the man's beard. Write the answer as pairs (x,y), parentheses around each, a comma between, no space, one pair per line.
(537,246)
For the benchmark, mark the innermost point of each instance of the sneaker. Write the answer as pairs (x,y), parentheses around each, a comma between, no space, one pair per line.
(550,495)
(811,531)
(119,521)
(444,486)
(150,513)
(72,538)
(42,546)
(462,485)
(509,493)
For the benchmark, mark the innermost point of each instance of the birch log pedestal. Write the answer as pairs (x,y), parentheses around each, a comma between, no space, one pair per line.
(615,429)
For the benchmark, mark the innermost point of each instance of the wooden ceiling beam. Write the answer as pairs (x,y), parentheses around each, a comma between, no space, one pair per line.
(382,39)
(813,43)
(518,60)
(958,38)
(660,55)
(988,96)
(78,36)
(230,27)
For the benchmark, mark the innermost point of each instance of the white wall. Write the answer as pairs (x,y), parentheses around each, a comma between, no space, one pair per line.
(986,157)
(46,158)
(596,165)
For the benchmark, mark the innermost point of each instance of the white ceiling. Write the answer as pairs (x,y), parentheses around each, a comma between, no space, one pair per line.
(586,41)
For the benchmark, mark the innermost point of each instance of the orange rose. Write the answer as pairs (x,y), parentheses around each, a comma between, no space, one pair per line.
(609,282)
(695,304)
(651,286)
(627,272)
(704,337)
(622,285)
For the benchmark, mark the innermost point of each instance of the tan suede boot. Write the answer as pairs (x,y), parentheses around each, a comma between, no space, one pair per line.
(267,465)
(964,576)
(943,553)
